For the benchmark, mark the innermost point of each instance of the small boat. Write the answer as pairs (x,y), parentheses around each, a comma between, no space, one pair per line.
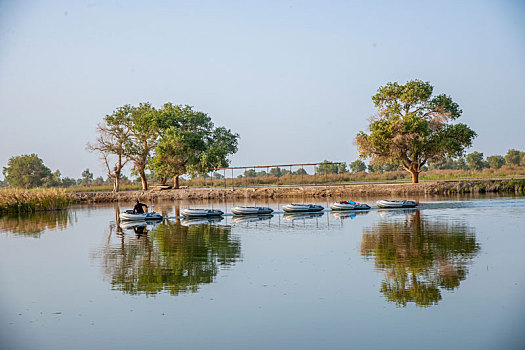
(396,204)
(349,205)
(301,208)
(251,210)
(189,212)
(129,216)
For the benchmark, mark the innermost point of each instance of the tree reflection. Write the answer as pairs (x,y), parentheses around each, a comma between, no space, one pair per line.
(420,256)
(32,225)
(168,257)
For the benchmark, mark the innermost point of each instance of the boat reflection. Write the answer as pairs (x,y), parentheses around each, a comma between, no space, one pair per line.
(169,258)
(301,216)
(347,214)
(201,220)
(419,256)
(33,225)
(237,219)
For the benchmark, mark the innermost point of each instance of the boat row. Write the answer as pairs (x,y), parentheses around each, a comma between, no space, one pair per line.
(288,208)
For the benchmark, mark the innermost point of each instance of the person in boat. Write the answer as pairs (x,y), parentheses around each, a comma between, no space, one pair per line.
(137,209)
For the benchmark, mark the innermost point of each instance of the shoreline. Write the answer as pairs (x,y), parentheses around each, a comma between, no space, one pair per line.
(319,191)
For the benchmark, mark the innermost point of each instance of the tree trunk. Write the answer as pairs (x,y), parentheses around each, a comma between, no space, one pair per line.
(176,181)
(143,179)
(116,184)
(415,176)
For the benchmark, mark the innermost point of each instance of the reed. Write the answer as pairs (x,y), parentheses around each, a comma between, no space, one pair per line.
(29,201)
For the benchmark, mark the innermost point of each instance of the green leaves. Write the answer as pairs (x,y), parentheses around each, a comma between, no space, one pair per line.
(413,128)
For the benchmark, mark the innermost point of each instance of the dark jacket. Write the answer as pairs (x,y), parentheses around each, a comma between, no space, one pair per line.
(137,209)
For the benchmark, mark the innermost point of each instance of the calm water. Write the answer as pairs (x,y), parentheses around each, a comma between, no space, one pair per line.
(448,275)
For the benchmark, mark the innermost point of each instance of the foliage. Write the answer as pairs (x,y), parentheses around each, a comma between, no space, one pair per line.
(449,163)
(87,177)
(328,167)
(191,144)
(475,161)
(357,166)
(495,161)
(27,171)
(513,157)
(113,137)
(412,128)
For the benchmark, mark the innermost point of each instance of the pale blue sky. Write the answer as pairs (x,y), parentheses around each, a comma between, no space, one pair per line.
(293,78)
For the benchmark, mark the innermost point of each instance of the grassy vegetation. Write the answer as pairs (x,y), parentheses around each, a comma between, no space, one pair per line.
(390,176)
(29,201)
(126,186)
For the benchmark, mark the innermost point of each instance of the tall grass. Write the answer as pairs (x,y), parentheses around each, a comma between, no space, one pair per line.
(29,201)
(130,186)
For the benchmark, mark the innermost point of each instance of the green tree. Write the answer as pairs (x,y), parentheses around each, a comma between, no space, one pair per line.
(144,124)
(27,171)
(87,177)
(412,128)
(513,157)
(190,143)
(328,167)
(495,161)
(113,137)
(357,166)
(475,161)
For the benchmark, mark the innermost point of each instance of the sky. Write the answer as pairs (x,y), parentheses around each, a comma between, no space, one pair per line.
(293,78)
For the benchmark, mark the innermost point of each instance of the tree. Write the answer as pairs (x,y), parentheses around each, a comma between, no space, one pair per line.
(144,127)
(513,157)
(113,136)
(87,177)
(27,171)
(495,161)
(328,167)
(357,166)
(412,128)
(475,161)
(190,143)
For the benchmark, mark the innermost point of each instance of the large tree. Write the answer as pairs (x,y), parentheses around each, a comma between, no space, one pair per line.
(27,171)
(113,135)
(412,128)
(190,143)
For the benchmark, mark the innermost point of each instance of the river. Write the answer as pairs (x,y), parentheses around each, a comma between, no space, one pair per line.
(450,274)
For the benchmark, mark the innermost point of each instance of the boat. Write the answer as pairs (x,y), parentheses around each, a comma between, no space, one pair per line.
(192,212)
(251,210)
(301,208)
(396,204)
(129,216)
(349,205)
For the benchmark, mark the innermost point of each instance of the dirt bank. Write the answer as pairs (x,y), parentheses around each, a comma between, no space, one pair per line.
(339,191)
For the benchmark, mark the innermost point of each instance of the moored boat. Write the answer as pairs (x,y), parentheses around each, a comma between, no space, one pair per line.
(396,204)
(129,216)
(349,205)
(192,212)
(251,210)
(301,208)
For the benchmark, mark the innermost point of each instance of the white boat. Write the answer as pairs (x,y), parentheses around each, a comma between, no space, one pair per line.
(251,210)
(129,216)
(349,205)
(301,208)
(189,212)
(396,204)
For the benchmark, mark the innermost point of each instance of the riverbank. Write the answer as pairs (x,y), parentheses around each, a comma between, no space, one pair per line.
(320,191)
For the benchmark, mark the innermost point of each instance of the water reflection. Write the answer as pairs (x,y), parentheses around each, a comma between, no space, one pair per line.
(167,257)
(32,225)
(420,256)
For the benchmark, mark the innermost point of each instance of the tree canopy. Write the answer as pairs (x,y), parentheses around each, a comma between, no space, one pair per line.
(412,127)
(27,171)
